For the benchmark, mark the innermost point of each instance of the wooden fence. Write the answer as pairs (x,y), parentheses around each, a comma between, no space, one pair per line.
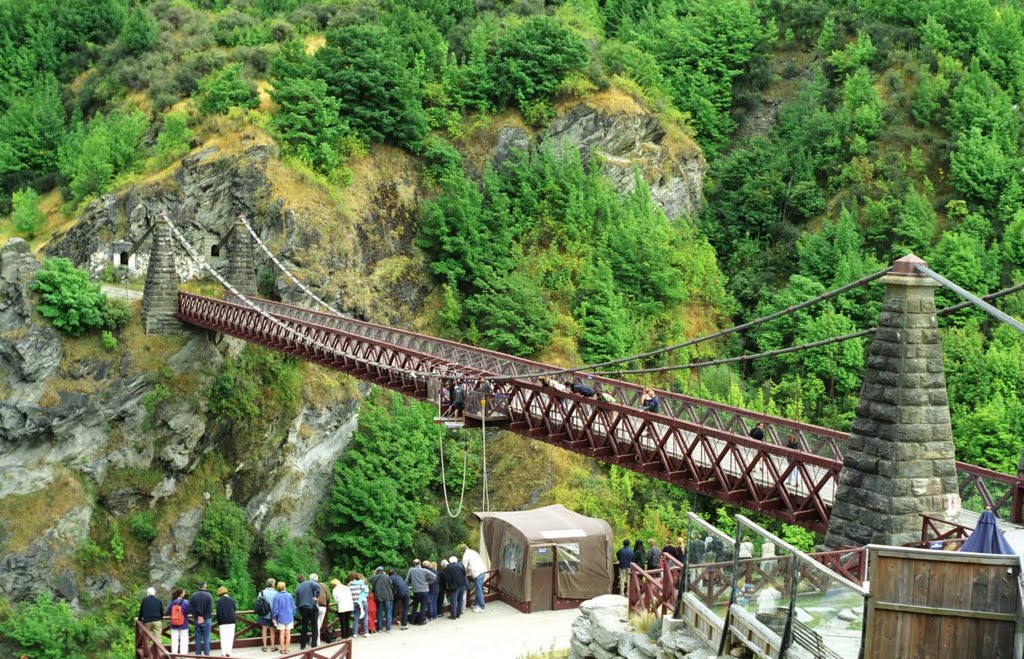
(247,635)
(940,604)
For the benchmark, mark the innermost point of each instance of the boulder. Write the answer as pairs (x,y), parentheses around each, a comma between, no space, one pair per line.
(608,626)
(582,631)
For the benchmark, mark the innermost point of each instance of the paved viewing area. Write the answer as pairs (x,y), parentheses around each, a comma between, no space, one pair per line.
(499,633)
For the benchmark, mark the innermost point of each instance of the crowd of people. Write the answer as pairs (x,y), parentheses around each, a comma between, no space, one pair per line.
(364,606)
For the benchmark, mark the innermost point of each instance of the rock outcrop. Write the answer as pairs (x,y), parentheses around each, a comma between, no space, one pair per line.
(626,141)
(603,631)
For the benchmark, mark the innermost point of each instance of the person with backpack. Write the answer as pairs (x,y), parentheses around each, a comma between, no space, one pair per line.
(177,611)
(282,612)
(200,605)
(226,619)
(263,608)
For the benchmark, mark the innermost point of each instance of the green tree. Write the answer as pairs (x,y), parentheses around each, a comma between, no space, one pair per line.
(605,327)
(175,137)
(225,89)
(979,168)
(287,555)
(47,628)
(91,156)
(382,483)
(31,129)
(224,540)
(533,57)
(26,216)
(139,31)
(308,121)
(72,302)
(376,89)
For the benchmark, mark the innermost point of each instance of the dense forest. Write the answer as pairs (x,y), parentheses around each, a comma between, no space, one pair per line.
(839,135)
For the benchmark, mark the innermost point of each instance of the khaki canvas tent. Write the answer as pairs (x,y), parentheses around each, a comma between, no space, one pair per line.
(548,558)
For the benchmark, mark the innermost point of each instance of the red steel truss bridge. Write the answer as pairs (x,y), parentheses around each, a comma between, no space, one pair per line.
(696,444)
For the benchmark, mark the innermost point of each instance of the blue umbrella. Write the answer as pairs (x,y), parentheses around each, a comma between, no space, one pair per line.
(986,538)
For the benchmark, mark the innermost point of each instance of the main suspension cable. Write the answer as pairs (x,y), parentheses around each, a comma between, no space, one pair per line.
(946,311)
(707,337)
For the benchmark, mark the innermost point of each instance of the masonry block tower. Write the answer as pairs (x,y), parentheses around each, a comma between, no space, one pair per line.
(241,268)
(160,296)
(899,461)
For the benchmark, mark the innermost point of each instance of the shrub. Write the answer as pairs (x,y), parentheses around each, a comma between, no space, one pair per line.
(45,628)
(175,138)
(153,399)
(71,302)
(116,314)
(26,216)
(117,546)
(139,32)
(109,341)
(224,89)
(140,525)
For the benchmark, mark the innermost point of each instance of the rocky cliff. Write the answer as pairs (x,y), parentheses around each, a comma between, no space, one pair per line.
(90,437)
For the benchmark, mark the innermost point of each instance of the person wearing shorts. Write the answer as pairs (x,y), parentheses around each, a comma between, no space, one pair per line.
(283,615)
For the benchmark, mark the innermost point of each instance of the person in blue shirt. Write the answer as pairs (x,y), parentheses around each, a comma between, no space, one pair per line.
(625,557)
(282,612)
(265,623)
(649,402)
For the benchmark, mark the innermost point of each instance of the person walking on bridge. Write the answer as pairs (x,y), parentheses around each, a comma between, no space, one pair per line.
(477,571)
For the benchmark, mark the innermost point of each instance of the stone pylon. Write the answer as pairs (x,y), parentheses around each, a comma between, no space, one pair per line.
(899,460)
(241,269)
(160,296)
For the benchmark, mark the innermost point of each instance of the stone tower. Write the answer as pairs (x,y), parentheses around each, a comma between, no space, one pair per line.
(899,461)
(241,269)
(160,296)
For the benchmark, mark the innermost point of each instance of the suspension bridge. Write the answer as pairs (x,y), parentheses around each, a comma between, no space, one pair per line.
(792,474)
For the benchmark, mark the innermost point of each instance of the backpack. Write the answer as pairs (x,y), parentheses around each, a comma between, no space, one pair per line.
(177,615)
(262,607)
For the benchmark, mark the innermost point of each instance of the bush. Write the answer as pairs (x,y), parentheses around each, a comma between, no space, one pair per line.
(175,138)
(139,32)
(26,216)
(152,400)
(140,525)
(116,314)
(45,628)
(71,302)
(224,89)
(109,341)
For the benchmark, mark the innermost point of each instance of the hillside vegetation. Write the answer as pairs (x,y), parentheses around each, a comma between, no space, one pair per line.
(839,135)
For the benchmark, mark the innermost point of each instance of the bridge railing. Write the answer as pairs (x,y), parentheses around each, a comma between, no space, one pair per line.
(655,590)
(697,444)
(813,439)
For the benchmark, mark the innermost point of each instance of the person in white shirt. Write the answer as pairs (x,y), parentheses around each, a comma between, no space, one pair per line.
(343,598)
(477,571)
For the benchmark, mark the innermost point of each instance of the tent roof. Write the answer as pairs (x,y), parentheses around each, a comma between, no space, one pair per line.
(551,523)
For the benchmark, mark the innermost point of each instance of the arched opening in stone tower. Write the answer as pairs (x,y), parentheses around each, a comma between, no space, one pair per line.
(215,250)
(123,258)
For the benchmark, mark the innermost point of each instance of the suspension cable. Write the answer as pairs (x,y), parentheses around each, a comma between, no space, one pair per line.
(707,337)
(973,299)
(806,346)
(302,338)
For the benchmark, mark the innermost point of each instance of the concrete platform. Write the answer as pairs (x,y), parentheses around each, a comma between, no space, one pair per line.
(500,632)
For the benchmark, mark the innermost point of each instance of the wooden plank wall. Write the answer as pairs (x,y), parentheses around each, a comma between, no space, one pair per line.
(937,604)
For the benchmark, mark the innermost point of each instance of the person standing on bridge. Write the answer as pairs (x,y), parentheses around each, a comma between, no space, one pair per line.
(639,556)
(456,582)
(401,596)
(263,609)
(419,579)
(283,615)
(343,599)
(306,595)
(757,432)
(624,557)
(384,593)
(360,592)
(792,442)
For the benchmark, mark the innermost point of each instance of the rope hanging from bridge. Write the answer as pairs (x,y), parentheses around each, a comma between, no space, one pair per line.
(444,479)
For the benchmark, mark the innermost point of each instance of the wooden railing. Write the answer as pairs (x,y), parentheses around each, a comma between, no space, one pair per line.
(950,534)
(657,590)
(247,635)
